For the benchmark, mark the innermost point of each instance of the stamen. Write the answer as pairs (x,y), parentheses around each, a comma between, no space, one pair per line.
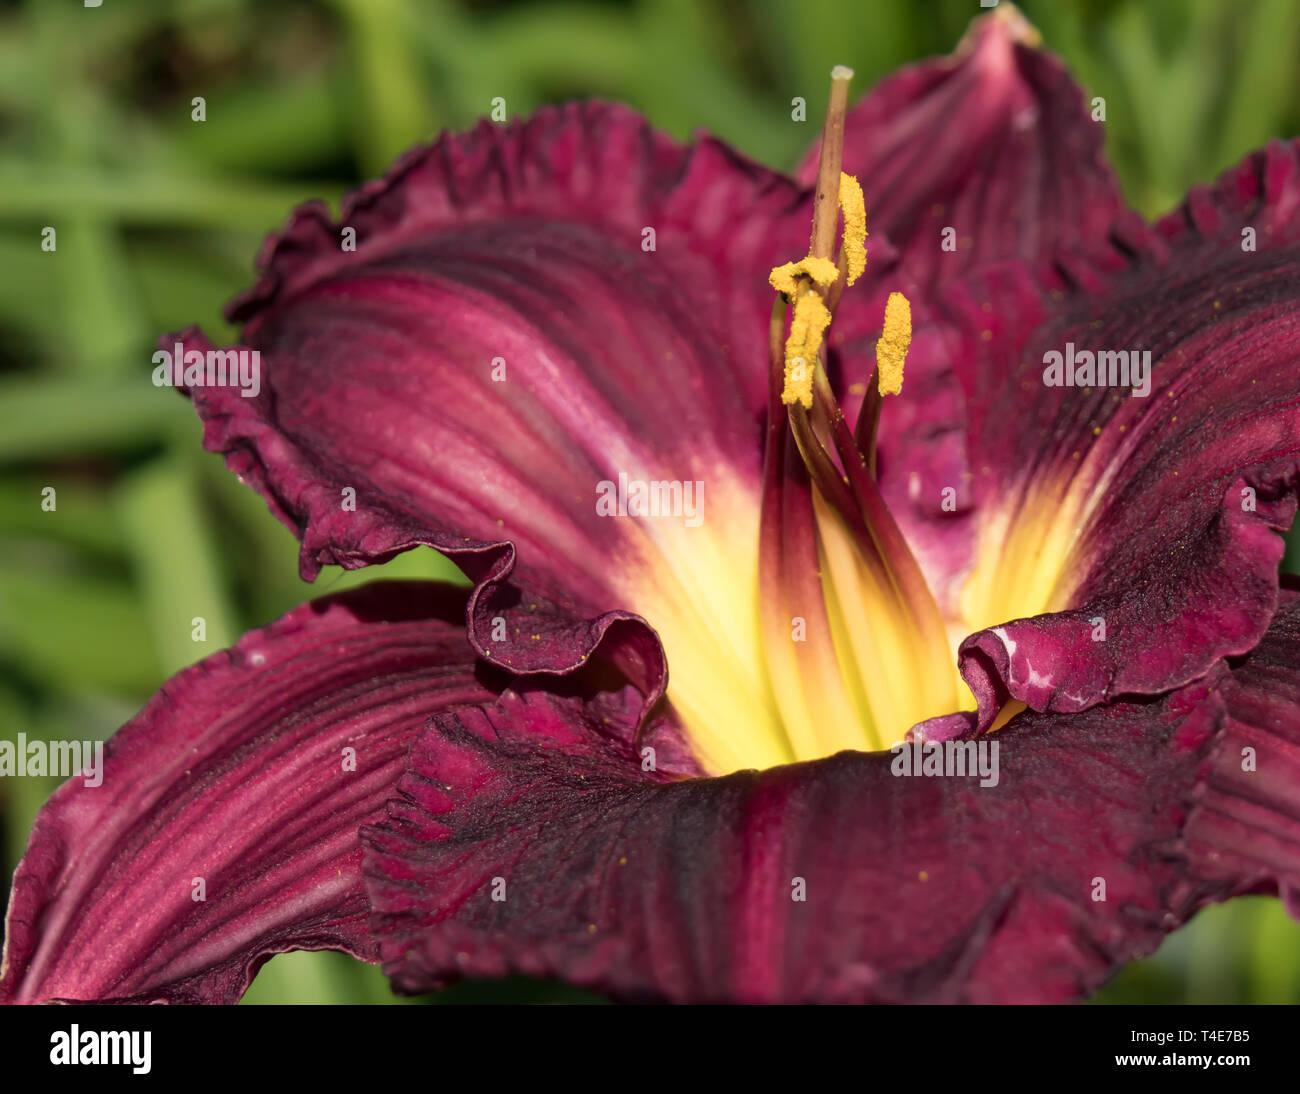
(794,280)
(831,552)
(811,318)
(864,433)
(891,349)
(784,279)
(887,378)
(807,685)
(853,249)
(916,602)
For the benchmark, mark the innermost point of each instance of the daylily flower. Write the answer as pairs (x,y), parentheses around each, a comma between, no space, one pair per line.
(546,322)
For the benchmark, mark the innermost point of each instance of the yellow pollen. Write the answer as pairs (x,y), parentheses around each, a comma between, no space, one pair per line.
(811,318)
(855,227)
(784,278)
(891,350)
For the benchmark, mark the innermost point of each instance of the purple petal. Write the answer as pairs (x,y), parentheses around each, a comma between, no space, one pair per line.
(522,247)
(1178,497)
(236,773)
(995,142)
(522,842)
(988,156)
(1157,515)
(1245,828)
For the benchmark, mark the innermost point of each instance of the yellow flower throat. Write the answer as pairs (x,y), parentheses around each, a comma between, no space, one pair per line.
(828,637)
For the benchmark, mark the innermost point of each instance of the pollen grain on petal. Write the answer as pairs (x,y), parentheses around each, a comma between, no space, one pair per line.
(855,226)
(891,350)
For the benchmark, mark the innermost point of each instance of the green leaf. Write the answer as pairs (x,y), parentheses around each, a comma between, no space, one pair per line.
(43,193)
(176,566)
(1263,78)
(48,418)
(75,632)
(394,110)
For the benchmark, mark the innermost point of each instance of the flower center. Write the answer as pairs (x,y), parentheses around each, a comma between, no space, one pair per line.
(855,646)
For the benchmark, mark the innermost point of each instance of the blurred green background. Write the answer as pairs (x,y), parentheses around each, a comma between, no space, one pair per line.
(159,217)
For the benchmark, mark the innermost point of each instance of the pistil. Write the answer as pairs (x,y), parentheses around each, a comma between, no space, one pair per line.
(827,535)
(827,199)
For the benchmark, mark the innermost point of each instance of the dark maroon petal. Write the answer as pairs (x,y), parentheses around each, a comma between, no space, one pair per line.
(994,146)
(996,142)
(1245,828)
(519,244)
(234,773)
(1178,496)
(1261,193)
(1160,513)
(917,889)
